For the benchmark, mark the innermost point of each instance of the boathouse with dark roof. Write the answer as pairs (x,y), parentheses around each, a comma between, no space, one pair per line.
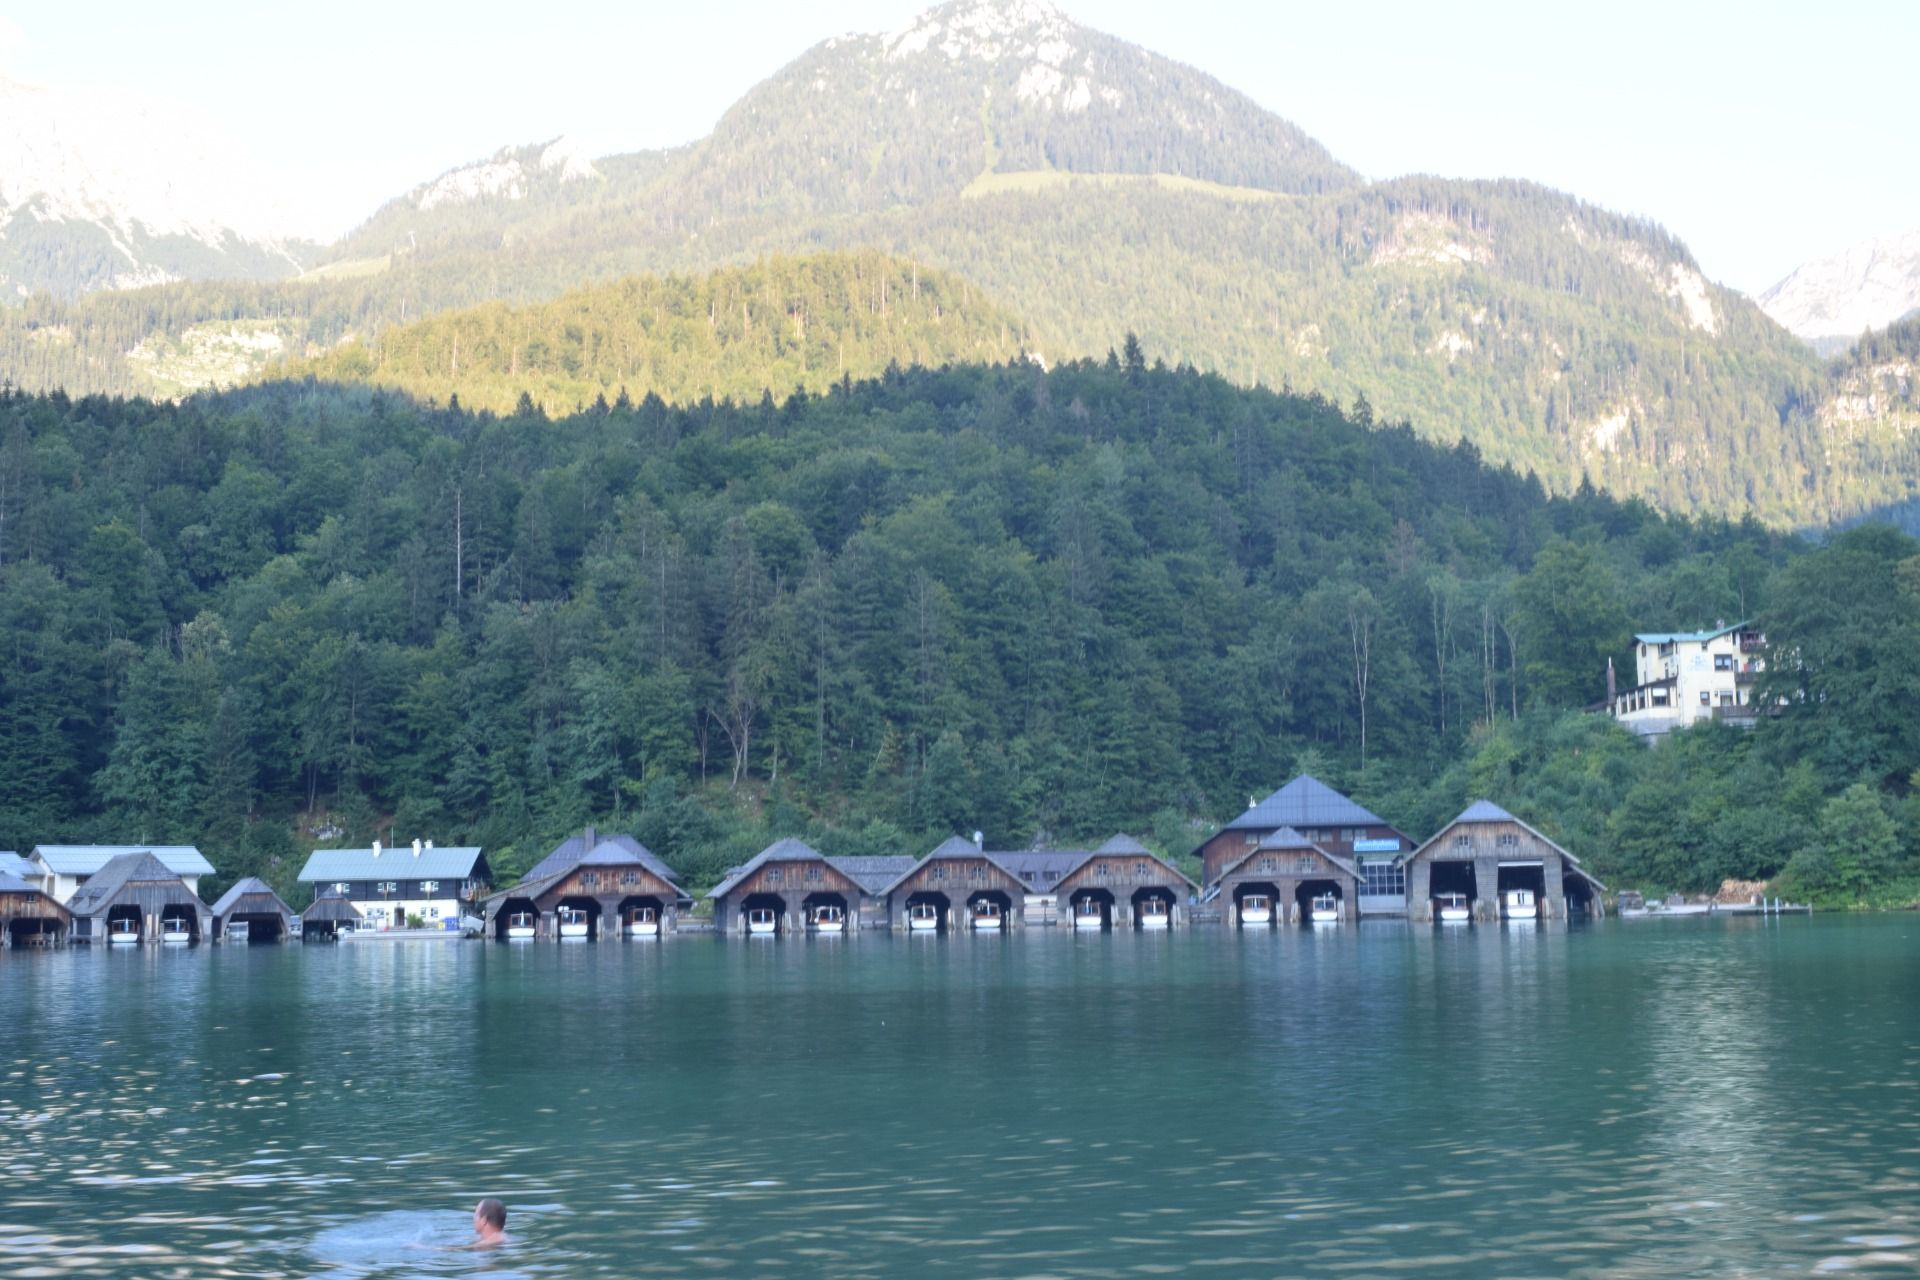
(1118,881)
(1335,825)
(790,879)
(609,888)
(1487,853)
(257,910)
(1287,872)
(135,895)
(961,882)
(29,915)
(574,848)
(328,916)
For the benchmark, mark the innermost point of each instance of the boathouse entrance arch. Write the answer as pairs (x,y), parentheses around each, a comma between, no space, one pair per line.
(1154,893)
(998,898)
(633,902)
(510,908)
(1308,890)
(127,911)
(1258,889)
(937,900)
(828,898)
(769,902)
(1103,898)
(582,902)
(1456,877)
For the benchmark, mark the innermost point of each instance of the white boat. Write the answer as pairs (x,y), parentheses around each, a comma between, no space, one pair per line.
(828,918)
(122,933)
(923,917)
(986,915)
(1519,904)
(1088,915)
(174,930)
(239,931)
(643,922)
(761,920)
(1325,909)
(520,927)
(1452,908)
(1154,914)
(1256,908)
(573,924)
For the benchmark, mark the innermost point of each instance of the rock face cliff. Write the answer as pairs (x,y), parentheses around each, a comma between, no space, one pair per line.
(1832,301)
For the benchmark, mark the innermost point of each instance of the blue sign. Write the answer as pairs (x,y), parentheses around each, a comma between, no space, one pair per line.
(1376,846)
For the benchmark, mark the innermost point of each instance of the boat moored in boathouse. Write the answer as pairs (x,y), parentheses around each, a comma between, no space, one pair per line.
(252,912)
(135,898)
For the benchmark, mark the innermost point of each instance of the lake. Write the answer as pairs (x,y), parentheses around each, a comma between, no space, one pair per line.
(1620,1099)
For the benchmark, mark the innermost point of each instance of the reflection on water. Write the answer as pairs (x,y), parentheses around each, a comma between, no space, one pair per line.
(1625,1099)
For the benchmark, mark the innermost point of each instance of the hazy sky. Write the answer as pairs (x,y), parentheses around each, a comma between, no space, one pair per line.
(1763,134)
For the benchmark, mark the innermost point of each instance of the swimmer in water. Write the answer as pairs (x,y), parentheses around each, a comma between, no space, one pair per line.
(489,1224)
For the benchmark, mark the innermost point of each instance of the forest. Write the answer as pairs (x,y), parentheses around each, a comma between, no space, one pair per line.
(1047,604)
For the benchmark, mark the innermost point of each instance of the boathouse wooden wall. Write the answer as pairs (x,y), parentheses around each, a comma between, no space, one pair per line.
(1486,845)
(36,906)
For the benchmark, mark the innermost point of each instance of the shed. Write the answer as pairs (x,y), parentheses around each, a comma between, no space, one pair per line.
(788,885)
(571,850)
(1277,880)
(135,898)
(1125,885)
(29,915)
(252,912)
(606,891)
(957,886)
(1503,866)
(328,916)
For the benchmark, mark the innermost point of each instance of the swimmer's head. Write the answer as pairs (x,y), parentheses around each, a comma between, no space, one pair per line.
(491,1213)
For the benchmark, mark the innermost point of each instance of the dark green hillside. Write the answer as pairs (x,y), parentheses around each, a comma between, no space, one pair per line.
(782,323)
(1106,596)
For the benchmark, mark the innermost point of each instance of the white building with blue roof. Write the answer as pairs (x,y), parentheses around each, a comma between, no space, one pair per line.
(1684,677)
(389,886)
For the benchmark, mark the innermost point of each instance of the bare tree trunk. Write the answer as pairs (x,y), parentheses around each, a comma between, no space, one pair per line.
(1360,624)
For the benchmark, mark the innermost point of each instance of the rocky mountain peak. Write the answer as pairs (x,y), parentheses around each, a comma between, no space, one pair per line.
(1836,298)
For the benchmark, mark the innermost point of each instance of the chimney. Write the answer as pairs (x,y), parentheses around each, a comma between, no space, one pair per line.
(376,848)
(416,846)
(1252,803)
(429,844)
(1610,681)
(979,840)
(591,841)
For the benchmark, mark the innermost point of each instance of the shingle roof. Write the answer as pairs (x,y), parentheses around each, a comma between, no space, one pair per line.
(1121,842)
(392,864)
(249,886)
(91,859)
(1286,838)
(1485,811)
(1041,869)
(1304,802)
(11,883)
(874,874)
(14,865)
(126,869)
(954,846)
(951,849)
(331,906)
(574,848)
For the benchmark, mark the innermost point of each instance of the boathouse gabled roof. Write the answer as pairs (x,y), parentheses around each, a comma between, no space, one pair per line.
(786,849)
(251,887)
(331,906)
(952,849)
(112,879)
(1121,842)
(575,847)
(1041,869)
(1304,802)
(92,859)
(1288,840)
(400,863)
(610,852)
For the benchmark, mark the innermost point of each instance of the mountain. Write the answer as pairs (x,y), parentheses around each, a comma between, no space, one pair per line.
(1832,301)
(100,191)
(780,323)
(1093,189)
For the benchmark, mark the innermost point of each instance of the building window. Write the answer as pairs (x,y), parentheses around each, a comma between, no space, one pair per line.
(1101,871)
(1704,697)
(1723,662)
(589,879)
(1463,842)
(1507,840)
(976,873)
(938,873)
(1303,865)
(429,887)
(629,878)
(1253,839)
(1383,879)
(340,887)
(389,886)
(813,873)
(1267,864)
(773,875)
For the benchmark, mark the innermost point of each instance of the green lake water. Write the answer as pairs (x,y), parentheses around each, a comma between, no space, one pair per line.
(1647,1098)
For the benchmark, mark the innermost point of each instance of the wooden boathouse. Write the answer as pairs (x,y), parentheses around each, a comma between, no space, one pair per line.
(1502,867)
(252,912)
(135,898)
(618,888)
(956,887)
(63,868)
(1282,876)
(30,916)
(791,887)
(329,915)
(1126,885)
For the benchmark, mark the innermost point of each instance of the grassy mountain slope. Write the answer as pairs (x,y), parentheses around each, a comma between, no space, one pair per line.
(782,323)
(1554,335)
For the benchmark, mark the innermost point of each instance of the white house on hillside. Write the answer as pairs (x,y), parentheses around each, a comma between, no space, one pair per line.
(1684,677)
